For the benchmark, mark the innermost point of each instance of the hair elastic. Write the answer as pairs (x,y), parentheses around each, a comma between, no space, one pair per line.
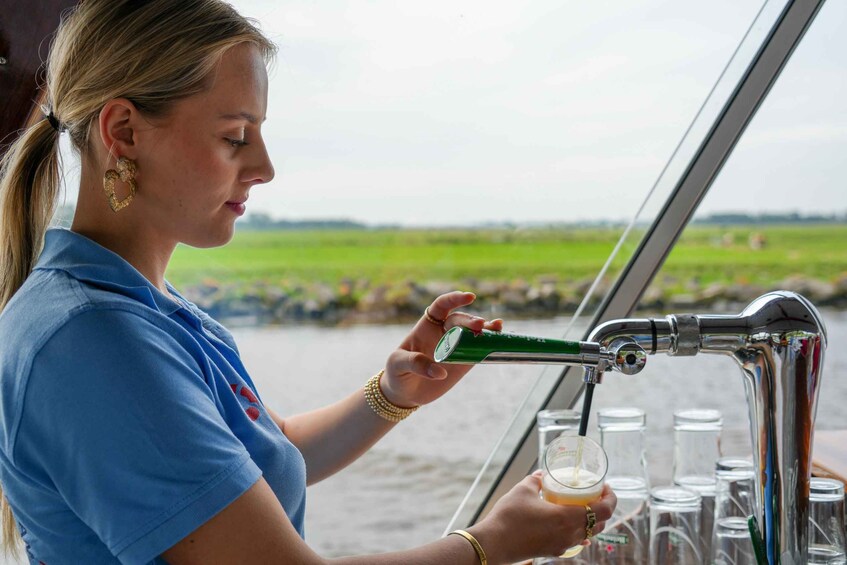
(54,121)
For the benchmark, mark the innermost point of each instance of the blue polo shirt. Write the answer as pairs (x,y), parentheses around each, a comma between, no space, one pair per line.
(127,420)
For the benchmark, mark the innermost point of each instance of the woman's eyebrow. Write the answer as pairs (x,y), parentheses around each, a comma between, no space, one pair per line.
(241,116)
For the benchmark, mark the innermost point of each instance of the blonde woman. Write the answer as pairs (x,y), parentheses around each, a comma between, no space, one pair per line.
(131,432)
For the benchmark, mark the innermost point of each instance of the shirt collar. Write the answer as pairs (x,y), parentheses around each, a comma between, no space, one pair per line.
(90,262)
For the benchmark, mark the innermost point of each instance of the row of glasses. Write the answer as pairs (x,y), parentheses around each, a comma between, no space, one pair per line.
(676,512)
(678,528)
(702,517)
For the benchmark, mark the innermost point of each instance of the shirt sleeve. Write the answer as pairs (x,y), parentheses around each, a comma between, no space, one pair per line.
(118,414)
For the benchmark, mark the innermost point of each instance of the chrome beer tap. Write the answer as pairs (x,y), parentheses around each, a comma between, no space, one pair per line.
(779,341)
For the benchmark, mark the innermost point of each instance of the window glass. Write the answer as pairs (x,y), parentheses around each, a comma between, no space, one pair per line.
(773,219)
(442,119)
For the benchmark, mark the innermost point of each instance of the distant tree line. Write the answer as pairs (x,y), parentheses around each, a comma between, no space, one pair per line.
(264,221)
(257,221)
(729,218)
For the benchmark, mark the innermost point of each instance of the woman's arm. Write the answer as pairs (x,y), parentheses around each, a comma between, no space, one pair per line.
(331,438)
(255,529)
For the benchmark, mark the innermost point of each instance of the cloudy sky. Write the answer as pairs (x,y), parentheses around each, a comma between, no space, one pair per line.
(454,112)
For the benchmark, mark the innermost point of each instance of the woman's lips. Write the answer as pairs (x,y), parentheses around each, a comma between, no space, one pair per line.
(237,207)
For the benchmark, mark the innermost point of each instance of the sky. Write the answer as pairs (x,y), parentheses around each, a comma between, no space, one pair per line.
(467,112)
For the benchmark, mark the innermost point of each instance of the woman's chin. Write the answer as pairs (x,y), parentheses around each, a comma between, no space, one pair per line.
(216,238)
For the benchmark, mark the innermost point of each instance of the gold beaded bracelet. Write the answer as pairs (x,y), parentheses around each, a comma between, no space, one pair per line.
(383,407)
(483,560)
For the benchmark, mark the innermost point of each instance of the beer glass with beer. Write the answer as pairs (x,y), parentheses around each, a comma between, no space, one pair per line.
(574,469)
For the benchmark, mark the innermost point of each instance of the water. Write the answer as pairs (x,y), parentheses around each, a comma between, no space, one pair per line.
(403,492)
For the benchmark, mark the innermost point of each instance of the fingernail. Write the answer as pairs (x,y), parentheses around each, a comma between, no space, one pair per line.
(436,372)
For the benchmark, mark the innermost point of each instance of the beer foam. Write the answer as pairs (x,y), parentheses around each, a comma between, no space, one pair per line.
(568,486)
(571,478)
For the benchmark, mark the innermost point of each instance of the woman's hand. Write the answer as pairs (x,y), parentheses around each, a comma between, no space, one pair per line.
(412,377)
(522,525)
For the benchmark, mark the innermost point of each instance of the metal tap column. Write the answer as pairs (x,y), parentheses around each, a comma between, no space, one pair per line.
(779,341)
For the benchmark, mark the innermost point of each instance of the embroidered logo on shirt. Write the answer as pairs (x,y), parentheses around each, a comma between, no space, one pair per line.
(26,544)
(252,410)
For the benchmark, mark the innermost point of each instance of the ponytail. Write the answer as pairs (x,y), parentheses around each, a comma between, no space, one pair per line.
(29,188)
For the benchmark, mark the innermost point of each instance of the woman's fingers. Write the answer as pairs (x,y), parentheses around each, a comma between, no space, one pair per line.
(532,482)
(473,323)
(604,507)
(403,361)
(442,306)
(495,325)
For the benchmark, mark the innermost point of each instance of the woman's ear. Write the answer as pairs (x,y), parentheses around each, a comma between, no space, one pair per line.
(117,124)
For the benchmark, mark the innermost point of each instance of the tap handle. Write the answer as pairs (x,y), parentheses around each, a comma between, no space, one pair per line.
(461,345)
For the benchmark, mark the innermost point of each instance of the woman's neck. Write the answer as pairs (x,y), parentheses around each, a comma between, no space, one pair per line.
(149,258)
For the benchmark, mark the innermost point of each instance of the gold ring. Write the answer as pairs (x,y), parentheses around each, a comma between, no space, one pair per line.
(590,522)
(429,318)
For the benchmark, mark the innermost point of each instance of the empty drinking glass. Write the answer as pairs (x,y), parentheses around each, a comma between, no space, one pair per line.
(626,537)
(734,487)
(697,445)
(734,503)
(731,544)
(826,522)
(551,424)
(674,526)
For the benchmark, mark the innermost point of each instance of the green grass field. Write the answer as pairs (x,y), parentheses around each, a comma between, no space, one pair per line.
(709,254)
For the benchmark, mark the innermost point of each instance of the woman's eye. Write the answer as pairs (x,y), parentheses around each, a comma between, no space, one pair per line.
(236,142)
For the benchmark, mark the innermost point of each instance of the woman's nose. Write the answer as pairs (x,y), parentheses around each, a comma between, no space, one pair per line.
(263,170)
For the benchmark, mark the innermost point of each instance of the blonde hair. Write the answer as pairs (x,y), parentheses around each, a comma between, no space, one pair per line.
(151,52)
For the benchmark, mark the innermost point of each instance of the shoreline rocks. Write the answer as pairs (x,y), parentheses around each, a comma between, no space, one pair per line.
(352,301)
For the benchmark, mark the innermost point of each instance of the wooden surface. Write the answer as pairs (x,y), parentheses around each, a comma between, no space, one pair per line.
(829,456)
(25,31)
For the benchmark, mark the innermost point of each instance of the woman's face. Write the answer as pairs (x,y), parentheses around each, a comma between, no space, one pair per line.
(196,169)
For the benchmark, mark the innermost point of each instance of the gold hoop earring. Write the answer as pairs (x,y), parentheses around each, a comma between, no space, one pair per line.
(126,173)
